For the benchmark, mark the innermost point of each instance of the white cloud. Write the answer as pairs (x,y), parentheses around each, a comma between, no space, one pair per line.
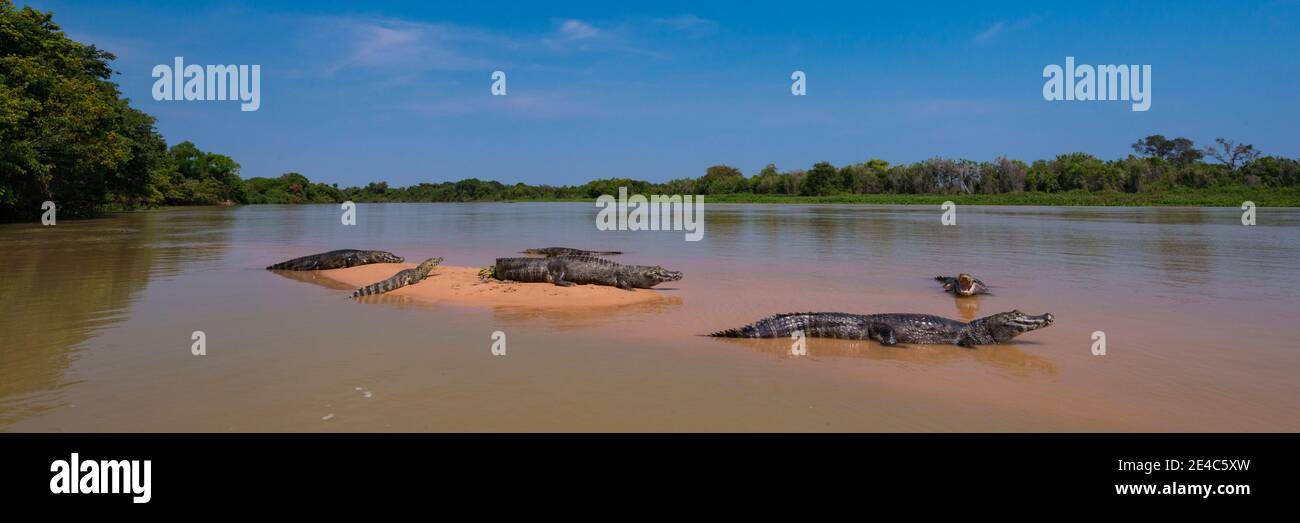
(688,22)
(992,32)
(379,43)
(535,105)
(610,37)
(575,33)
(577,30)
(405,47)
(1002,26)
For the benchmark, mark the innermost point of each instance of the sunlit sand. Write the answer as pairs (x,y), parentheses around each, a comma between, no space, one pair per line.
(462,285)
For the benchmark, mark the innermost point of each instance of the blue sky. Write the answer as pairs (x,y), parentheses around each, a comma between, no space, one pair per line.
(400,92)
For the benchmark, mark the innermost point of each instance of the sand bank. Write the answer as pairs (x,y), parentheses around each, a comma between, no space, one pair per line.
(462,285)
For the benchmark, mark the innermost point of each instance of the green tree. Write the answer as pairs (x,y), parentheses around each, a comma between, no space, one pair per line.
(66,134)
(1179,151)
(197,177)
(1231,153)
(767,181)
(822,180)
(865,178)
(722,179)
(1271,171)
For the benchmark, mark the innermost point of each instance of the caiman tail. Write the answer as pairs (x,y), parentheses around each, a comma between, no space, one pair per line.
(399,280)
(748,331)
(825,324)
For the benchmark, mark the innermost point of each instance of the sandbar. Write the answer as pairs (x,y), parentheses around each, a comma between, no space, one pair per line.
(462,285)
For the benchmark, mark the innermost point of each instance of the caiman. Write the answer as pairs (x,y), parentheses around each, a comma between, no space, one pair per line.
(565,251)
(963,285)
(894,328)
(401,279)
(569,270)
(339,259)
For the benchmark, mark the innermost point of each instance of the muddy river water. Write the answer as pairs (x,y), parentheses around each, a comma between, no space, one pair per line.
(1198,312)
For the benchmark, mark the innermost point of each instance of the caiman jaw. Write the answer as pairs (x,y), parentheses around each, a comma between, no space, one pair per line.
(965,285)
(1026,323)
(1004,326)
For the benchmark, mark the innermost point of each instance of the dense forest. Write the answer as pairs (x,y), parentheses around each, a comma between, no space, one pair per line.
(67,135)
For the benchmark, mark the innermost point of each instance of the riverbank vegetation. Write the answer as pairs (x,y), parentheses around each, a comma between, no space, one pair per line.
(1159,172)
(68,136)
(1211,197)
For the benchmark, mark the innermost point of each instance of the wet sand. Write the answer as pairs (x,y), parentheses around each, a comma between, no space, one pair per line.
(461,285)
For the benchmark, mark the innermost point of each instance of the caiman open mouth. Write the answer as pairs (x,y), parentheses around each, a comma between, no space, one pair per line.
(965,285)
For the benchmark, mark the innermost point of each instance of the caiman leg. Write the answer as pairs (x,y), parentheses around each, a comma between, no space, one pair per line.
(558,279)
(882,333)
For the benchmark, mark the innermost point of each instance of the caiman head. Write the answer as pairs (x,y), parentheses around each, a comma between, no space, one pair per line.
(385,257)
(1003,326)
(428,265)
(650,276)
(967,285)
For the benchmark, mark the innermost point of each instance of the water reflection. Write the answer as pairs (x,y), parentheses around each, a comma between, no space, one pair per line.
(65,284)
(967,308)
(585,317)
(1009,358)
(1184,257)
(316,278)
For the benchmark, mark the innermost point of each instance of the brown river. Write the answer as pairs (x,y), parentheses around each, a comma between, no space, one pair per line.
(1198,313)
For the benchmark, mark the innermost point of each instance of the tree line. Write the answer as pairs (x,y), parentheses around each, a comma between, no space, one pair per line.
(1157,164)
(67,135)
